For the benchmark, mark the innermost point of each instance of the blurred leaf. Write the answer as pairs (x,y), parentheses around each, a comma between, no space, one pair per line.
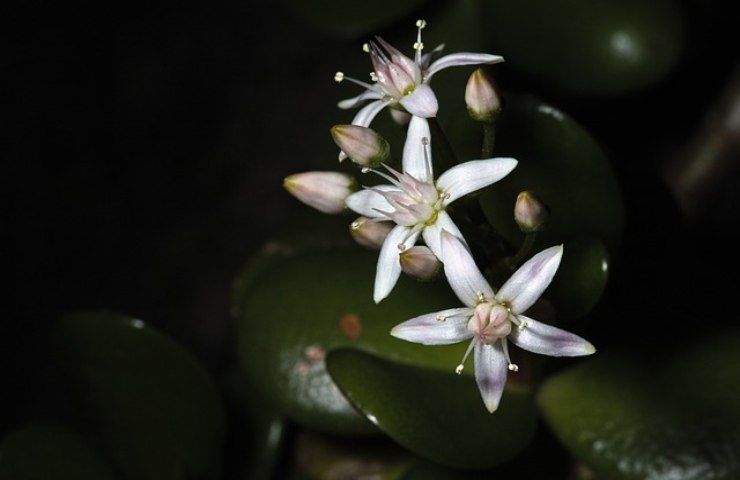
(301,306)
(351,19)
(565,166)
(325,458)
(586,47)
(257,432)
(150,404)
(435,414)
(636,415)
(42,451)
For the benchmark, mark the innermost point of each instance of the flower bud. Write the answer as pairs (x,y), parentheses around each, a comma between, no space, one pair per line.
(401,117)
(481,98)
(324,191)
(369,233)
(420,263)
(530,213)
(363,145)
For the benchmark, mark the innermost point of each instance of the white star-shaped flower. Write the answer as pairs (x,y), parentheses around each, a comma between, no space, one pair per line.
(491,318)
(417,203)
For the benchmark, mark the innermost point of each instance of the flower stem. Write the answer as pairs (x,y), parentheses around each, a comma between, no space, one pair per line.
(489,140)
(513,261)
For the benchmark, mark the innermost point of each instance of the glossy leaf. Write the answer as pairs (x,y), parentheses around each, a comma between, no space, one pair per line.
(150,405)
(638,415)
(42,451)
(585,47)
(435,414)
(300,307)
(568,170)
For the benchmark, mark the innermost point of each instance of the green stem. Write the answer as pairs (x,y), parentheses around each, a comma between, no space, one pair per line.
(513,261)
(489,140)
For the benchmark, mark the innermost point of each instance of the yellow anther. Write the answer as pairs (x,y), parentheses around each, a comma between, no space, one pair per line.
(366,47)
(356,224)
(459,369)
(338,77)
(421,23)
(513,367)
(373,76)
(481,297)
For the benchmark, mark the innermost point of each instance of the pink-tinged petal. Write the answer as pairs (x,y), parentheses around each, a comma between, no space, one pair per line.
(415,161)
(544,339)
(389,266)
(470,176)
(367,202)
(459,60)
(409,66)
(400,117)
(356,101)
(428,58)
(491,368)
(527,284)
(421,102)
(438,328)
(324,191)
(432,233)
(462,273)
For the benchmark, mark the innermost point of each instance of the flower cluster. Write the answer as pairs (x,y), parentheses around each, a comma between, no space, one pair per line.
(414,203)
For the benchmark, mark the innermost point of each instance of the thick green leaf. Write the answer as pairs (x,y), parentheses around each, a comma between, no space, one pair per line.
(565,166)
(351,19)
(50,452)
(586,47)
(299,307)
(632,415)
(435,414)
(152,407)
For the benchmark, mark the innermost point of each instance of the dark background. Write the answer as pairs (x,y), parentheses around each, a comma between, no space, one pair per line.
(146,145)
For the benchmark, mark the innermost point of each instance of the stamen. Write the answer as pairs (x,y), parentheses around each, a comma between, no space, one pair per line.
(373,76)
(383,175)
(364,169)
(412,231)
(418,45)
(427,156)
(481,297)
(338,77)
(441,318)
(460,367)
(366,47)
(356,224)
(512,366)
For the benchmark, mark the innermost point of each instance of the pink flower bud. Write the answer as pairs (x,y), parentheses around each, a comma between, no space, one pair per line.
(363,145)
(324,191)
(369,233)
(530,213)
(420,263)
(481,98)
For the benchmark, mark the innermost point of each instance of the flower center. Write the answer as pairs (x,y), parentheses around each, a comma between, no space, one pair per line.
(490,322)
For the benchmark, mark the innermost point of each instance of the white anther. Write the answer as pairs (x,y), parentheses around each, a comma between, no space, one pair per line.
(366,47)
(401,247)
(481,297)
(421,23)
(373,76)
(418,46)
(441,318)
(338,77)
(513,367)
(459,369)
(364,169)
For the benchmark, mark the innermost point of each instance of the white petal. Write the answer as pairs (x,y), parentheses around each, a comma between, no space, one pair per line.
(474,175)
(365,202)
(430,330)
(541,338)
(355,101)
(527,284)
(460,59)
(414,159)
(465,279)
(389,266)
(433,232)
(368,112)
(491,368)
(421,102)
(427,58)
